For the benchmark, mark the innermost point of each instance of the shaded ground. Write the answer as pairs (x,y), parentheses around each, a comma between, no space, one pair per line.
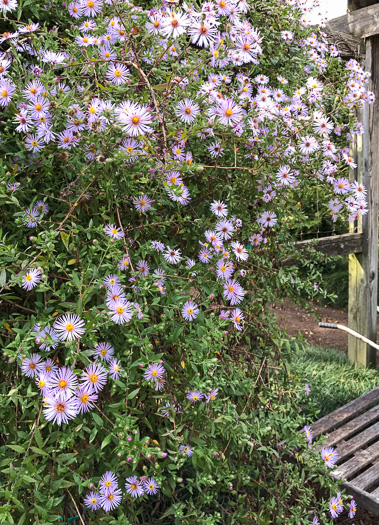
(295,319)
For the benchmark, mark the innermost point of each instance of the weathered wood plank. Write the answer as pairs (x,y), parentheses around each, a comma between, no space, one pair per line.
(363,268)
(362,23)
(357,463)
(349,46)
(366,437)
(344,414)
(363,498)
(335,245)
(375,493)
(367,479)
(357,424)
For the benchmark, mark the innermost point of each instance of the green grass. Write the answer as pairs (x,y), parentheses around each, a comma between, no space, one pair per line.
(333,380)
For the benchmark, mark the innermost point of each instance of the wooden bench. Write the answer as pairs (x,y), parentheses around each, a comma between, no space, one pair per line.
(354,431)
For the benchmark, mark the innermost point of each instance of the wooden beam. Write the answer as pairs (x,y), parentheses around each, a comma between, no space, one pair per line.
(363,267)
(362,23)
(349,46)
(335,245)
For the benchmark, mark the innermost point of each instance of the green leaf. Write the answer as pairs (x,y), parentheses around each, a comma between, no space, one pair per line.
(106,441)
(97,419)
(38,437)
(71,261)
(17,448)
(133,394)
(65,238)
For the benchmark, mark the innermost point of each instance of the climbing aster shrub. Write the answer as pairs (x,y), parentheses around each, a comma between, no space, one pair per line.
(155,160)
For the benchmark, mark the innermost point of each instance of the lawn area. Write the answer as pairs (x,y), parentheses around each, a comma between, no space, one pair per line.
(333,380)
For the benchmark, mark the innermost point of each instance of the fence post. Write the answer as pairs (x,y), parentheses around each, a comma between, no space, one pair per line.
(363,267)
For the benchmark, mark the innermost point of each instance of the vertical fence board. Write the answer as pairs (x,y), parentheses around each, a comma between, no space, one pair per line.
(363,268)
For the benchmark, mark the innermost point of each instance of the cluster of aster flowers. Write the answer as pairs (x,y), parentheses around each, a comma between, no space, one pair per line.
(109,496)
(336,507)
(254,107)
(65,394)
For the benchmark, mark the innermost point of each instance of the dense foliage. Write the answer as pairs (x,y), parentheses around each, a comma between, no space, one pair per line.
(154,166)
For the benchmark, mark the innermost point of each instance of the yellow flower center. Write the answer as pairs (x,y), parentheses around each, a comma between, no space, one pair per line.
(133,486)
(108,483)
(120,310)
(60,407)
(94,378)
(110,497)
(4,93)
(154,373)
(151,486)
(238,319)
(136,120)
(38,107)
(90,4)
(93,501)
(69,327)
(84,398)
(107,54)
(29,277)
(103,352)
(114,231)
(195,398)
(190,311)
(118,73)
(32,366)
(231,288)
(174,23)
(62,383)
(41,384)
(142,203)
(228,113)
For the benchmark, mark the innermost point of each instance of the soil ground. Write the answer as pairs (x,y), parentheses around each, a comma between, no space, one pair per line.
(295,319)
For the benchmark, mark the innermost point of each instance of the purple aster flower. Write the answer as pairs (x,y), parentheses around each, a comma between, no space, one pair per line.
(49,338)
(219,208)
(104,351)
(115,369)
(225,229)
(120,311)
(194,396)
(85,398)
(225,314)
(31,366)
(112,231)
(267,219)
(190,311)
(111,500)
(42,382)
(143,268)
(186,449)
(31,217)
(31,279)
(256,239)
(49,366)
(69,327)
(352,509)
(124,263)
(134,487)
(308,433)
(237,318)
(335,507)
(240,251)
(159,246)
(151,486)
(94,377)
(111,280)
(212,395)
(159,384)
(58,409)
(63,381)
(172,256)
(142,204)
(307,389)
(233,291)
(154,372)
(92,500)
(315,521)
(224,269)
(108,482)
(330,456)
(341,186)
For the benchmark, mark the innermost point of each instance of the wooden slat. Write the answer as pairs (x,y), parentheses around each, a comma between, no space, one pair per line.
(375,493)
(353,426)
(362,23)
(363,498)
(343,414)
(336,244)
(347,448)
(367,479)
(363,268)
(357,463)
